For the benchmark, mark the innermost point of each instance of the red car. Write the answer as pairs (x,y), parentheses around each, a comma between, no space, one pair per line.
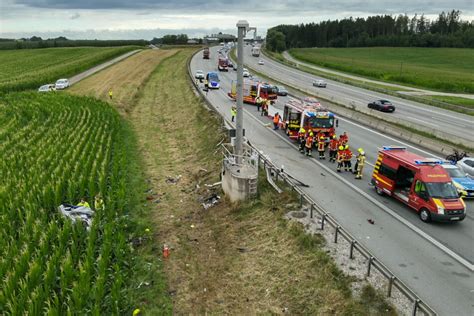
(382,105)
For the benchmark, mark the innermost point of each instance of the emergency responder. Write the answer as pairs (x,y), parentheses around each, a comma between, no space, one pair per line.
(110,94)
(321,147)
(359,166)
(98,203)
(301,139)
(83,203)
(309,144)
(276,120)
(343,139)
(265,108)
(258,103)
(333,148)
(340,158)
(233,113)
(347,158)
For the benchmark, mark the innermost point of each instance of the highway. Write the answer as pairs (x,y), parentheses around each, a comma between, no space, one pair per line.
(436,260)
(447,124)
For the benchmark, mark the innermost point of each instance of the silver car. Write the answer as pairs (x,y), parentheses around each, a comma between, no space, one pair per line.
(47,88)
(467,165)
(62,84)
(319,83)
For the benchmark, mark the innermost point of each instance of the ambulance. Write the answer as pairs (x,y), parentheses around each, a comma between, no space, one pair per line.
(421,183)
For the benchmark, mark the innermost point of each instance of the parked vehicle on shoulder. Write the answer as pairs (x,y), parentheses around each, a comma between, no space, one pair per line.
(246,73)
(62,84)
(261,62)
(281,90)
(212,80)
(382,105)
(47,88)
(199,74)
(467,165)
(463,183)
(421,183)
(319,83)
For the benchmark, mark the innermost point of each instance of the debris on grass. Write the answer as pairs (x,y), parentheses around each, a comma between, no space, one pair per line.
(173,180)
(211,201)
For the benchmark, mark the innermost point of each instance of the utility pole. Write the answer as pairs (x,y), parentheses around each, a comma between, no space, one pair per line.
(242,28)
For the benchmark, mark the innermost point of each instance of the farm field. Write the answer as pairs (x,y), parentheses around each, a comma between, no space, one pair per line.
(57,148)
(443,69)
(31,68)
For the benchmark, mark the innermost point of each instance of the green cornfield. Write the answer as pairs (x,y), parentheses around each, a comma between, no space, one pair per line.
(54,149)
(31,68)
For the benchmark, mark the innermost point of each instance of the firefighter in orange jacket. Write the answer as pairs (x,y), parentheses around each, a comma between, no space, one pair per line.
(276,120)
(347,158)
(343,139)
(340,158)
(309,144)
(321,147)
(333,148)
(301,138)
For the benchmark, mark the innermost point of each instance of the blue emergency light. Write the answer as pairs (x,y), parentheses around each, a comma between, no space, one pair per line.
(394,148)
(429,161)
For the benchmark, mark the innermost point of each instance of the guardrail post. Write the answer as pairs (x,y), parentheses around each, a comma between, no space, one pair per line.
(301,200)
(390,285)
(371,259)
(415,307)
(311,211)
(336,234)
(323,219)
(351,253)
(276,175)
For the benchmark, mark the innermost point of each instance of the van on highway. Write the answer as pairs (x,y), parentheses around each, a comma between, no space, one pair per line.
(421,183)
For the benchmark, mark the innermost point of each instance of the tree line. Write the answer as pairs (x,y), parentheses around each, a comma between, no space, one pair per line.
(38,42)
(447,30)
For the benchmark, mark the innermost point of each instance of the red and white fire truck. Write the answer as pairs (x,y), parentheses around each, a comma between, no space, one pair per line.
(308,115)
(222,63)
(254,89)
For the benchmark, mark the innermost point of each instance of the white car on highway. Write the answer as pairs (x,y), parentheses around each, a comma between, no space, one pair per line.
(62,84)
(246,73)
(199,74)
(261,62)
(47,88)
(319,83)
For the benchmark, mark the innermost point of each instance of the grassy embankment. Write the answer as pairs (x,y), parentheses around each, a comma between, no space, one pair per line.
(31,68)
(280,267)
(458,104)
(444,69)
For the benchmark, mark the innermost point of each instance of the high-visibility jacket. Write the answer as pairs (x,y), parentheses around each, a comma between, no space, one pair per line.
(233,111)
(360,161)
(301,133)
(321,144)
(347,154)
(343,139)
(84,204)
(333,144)
(309,141)
(340,155)
(276,118)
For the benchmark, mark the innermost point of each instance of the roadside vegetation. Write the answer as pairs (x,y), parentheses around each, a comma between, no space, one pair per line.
(444,69)
(31,68)
(57,148)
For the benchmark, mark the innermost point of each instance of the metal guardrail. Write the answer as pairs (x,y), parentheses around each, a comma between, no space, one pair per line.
(418,305)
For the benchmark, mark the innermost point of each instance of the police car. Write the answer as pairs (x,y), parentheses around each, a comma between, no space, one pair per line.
(463,183)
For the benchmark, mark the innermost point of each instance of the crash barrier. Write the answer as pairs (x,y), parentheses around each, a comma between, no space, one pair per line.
(329,222)
(419,307)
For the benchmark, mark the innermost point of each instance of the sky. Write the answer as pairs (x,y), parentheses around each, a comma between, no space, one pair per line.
(145,19)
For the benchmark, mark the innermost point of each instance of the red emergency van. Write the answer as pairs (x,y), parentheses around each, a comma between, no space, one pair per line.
(421,183)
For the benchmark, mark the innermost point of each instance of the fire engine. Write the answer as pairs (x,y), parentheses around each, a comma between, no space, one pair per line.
(222,63)
(254,89)
(310,116)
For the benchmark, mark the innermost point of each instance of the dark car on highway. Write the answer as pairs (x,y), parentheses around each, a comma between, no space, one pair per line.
(382,105)
(281,90)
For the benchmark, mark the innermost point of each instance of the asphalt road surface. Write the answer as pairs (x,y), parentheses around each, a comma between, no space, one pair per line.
(435,260)
(447,124)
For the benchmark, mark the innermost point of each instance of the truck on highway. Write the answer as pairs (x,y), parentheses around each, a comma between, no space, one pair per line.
(222,63)
(254,89)
(421,183)
(205,53)
(310,116)
(255,51)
